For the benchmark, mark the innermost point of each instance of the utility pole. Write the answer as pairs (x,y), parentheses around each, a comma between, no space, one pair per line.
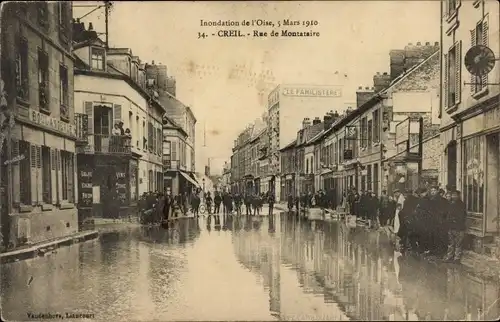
(420,147)
(106,21)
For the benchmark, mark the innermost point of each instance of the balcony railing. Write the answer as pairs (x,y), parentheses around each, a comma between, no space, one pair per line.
(106,144)
(171,164)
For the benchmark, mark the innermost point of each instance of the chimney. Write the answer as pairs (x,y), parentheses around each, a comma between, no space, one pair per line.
(328,120)
(91,27)
(316,120)
(363,95)
(397,62)
(381,82)
(306,123)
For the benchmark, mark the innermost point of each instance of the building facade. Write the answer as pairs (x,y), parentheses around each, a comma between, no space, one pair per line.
(470,116)
(38,157)
(290,104)
(115,165)
(179,176)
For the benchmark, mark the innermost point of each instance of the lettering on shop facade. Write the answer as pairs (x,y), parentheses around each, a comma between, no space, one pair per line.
(85,188)
(312,92)
(121,187)
(52,123)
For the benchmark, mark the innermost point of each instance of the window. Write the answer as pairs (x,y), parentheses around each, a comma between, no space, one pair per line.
(43,14)
(167,153)
(64,92)
(363,132)
(144,139)
(46,176)
(151,181)
(159,140)
(150,137)
(369,131)
(22,80)
(174,151)
(97,58)
(67,175)
(64,18)
(369,177)
(473,174)
(452,75)
(375,178)
(24,173)
(479,36)
(376,126)
(102,120)
(452,6)
(43,81)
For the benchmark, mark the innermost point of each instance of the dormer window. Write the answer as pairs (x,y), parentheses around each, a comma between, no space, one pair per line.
(97,58)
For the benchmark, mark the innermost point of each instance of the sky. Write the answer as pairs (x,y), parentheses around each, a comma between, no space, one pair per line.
(226,80)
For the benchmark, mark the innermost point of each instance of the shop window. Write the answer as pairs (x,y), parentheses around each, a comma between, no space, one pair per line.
(22,80)
(64,91)
(97,58)
(43,81)
(150,181)
(67,172)
(473,175)
(46,176)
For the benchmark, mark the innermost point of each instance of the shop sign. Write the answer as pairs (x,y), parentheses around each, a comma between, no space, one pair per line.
(52,123)
(85,188)
(15,159)
(312,92)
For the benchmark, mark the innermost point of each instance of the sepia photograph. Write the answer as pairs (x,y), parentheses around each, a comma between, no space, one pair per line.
(250,160)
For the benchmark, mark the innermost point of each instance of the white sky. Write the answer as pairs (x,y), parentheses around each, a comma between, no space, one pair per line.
(226,80)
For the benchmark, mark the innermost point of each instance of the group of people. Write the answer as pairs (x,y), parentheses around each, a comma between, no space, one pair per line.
(429,221)
(230,202)
(154,207)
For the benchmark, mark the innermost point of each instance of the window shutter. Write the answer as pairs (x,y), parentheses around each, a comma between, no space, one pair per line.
(89,110)
(39,177)
(16,193)
(53,175)
(484,78)
(33,175)
(458,71)
(59,175)
(473,77)
(71,176)
(117,114)
(445,81)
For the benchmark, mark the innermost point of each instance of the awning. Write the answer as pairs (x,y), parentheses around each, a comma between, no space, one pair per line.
(188,178)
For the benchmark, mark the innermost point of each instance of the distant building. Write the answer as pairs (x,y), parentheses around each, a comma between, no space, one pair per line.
(38,188)
(114,168)
(288,105)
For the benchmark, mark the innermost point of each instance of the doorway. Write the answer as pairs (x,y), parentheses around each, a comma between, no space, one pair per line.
(451,153)
(492,212)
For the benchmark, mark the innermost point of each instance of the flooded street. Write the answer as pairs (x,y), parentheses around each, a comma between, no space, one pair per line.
(243,268)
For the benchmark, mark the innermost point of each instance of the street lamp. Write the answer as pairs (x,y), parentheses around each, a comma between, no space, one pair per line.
(203,180)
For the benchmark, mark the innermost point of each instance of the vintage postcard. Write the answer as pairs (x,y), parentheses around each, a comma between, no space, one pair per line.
(250,160)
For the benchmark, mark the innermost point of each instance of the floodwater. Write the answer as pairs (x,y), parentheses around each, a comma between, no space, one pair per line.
(242,268)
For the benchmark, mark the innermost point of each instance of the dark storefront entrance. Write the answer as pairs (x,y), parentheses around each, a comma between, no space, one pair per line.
(107,187)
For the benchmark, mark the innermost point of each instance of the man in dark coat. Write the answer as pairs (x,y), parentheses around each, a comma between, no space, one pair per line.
(456,216)
(208,202)
(271,200)
(217,202)
(409,230)
(167,206)
(237,202)
(248,204)
(438,221)
(256,201)
(425,222)
(384,206)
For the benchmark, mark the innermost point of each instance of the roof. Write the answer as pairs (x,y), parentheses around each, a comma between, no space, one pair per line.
(289,146)
(375,98)
(311,132)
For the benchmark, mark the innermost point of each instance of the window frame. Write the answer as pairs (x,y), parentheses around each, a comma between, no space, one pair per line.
(474,200)
(43,81)
(22,69)
(64,92)
(101,52)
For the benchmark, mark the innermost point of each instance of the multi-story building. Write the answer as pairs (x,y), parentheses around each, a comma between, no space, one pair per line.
(470,117)
(120,122)
(226,177)
(178,154)
(38,166)
(290,104)
(359,150)
(246,159)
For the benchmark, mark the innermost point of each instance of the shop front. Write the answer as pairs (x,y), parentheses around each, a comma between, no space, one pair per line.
(289,186)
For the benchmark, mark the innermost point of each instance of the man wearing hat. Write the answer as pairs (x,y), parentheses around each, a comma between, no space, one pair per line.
(456,216)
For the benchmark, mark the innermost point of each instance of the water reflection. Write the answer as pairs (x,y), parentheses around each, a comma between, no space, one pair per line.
(359,272)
